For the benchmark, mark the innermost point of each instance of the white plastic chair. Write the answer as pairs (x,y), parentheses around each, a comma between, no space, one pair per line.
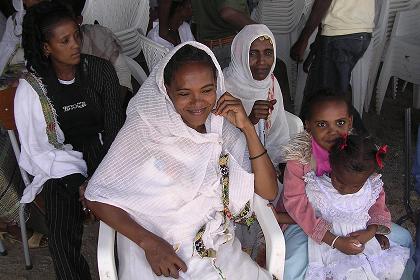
(153,52)
(275,246)
(127,19)
(136,71)
(366,69)
(402,57)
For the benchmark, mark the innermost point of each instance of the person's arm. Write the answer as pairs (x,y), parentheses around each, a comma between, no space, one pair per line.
(380,215)
(159,253)
(264,173)
(319,10)
(164,32)
(235,17)
(297,204)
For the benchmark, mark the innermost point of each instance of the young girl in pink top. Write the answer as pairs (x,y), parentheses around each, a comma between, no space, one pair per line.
(328,118)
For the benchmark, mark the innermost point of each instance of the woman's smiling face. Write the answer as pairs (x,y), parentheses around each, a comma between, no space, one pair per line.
(193,92)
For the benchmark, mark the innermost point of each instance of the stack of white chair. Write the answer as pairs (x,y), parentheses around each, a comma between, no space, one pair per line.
(153,52)
(402,57)
(365,71)
(286,19)
(128,19)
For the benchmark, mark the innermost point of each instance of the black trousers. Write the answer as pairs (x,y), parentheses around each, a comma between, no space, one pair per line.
(65,225)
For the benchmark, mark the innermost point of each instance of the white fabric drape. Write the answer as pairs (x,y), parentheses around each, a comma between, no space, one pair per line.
(166,176)
(240,83)
(37,156)
(184,32)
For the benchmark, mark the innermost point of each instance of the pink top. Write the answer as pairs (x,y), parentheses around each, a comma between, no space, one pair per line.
(322,158)
(297,205)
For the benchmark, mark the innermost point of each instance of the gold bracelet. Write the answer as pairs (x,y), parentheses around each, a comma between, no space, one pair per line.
(260,155)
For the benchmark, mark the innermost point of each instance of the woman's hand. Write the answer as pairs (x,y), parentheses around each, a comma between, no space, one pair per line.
(82,199)
(349,245)
(231,108)
(383,241)
(162,257)
(261,110)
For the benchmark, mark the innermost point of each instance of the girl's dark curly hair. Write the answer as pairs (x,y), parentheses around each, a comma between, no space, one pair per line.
(355,153)
(319,97)
(183,56)
(38,24)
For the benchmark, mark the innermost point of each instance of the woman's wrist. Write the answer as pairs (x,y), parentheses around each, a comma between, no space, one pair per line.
(248,129)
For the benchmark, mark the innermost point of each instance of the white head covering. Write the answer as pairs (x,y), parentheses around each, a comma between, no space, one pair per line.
(240,83)
(238,76)
(166,174)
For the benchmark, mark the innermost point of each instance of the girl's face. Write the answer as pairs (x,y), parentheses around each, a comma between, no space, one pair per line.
(261,58)
(329,120)
(63,47)
(347,182)
(193,93)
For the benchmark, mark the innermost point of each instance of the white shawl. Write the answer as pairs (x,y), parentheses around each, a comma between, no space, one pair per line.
(241,84)
(166,176)
(38,156)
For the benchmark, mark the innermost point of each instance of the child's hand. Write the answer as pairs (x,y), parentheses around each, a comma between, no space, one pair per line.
(383,241)
(349,245)
(364,235)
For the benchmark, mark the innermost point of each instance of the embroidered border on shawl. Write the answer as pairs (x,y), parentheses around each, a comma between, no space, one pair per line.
(319,231)
(245,216)
(48,110)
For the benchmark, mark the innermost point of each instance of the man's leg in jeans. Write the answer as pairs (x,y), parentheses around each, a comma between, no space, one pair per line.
(335,58)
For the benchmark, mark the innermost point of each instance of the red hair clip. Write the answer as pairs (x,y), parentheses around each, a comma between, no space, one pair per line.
(381,151)
(343,144)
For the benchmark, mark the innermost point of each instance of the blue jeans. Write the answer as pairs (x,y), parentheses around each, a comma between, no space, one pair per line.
(297,251)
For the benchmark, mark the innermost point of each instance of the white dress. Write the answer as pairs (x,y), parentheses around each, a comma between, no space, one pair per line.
(347,214)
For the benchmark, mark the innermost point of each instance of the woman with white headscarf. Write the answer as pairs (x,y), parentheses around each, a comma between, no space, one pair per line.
(12,35)
(250,78)
(182,169)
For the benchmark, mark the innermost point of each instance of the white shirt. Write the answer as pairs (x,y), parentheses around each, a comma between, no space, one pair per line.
(184,32)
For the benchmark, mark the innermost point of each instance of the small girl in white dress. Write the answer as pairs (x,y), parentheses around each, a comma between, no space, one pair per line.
(344,199)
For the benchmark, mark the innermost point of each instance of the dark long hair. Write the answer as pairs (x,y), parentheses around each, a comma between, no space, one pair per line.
(38,24)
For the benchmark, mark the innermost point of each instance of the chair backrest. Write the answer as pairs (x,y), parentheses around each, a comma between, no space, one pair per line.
(407,22)
(136,71)
(153,52)
(127,19)
(295,124)
(394,7)
(281,16)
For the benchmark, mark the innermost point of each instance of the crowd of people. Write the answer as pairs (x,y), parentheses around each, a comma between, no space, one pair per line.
(176,175)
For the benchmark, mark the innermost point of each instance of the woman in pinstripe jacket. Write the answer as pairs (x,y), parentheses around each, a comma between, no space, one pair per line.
(67,112)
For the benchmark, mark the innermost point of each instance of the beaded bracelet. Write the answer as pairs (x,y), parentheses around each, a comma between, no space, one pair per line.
(260,155)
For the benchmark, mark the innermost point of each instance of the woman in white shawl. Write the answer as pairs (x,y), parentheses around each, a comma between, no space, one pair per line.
(250,78)
(179,173)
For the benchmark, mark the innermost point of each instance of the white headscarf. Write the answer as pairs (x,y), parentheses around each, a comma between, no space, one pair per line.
(166,174)
(241,84)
